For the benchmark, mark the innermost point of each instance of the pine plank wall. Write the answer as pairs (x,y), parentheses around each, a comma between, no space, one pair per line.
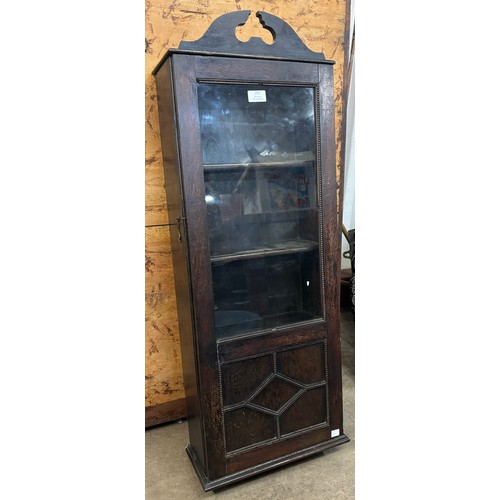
(323,26)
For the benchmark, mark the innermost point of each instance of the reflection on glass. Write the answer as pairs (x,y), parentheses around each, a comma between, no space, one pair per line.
(259,154)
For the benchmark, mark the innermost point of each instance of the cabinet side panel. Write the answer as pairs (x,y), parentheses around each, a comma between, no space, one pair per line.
(193,187)
(331,232)
(179,256)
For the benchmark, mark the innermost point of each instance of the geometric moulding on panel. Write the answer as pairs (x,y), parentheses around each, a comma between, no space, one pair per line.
(241,378)
(245,427)
(308,410)
(305,364)
(276,394)
(268,397)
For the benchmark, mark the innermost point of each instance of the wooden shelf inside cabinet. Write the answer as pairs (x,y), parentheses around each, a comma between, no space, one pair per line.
(231,331)
(282,248)
(248,138)
(264,164)
(274,215)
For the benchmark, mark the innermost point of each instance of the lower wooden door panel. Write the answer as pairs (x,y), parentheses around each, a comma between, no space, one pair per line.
(272,397)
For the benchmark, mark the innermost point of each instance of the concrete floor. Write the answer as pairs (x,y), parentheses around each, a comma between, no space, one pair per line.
(326,476)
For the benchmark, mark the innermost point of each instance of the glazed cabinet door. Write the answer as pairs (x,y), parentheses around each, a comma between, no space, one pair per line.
(257,155)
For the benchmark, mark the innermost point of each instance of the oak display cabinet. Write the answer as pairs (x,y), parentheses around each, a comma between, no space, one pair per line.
(248,142)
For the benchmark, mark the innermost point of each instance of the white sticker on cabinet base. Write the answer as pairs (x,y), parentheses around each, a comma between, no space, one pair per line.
(335,432)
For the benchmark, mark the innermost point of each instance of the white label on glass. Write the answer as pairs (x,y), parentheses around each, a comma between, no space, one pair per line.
(257,96)
(335,432)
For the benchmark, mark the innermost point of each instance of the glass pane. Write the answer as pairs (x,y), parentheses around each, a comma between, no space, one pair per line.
(259,155)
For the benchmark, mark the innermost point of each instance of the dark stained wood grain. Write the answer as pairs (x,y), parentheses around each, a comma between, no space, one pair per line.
(332,235)
(261,467)
(239,348)
(240,379)
(276,394)
(308,410)
(305,364)
(196,231)
(263,71)
(272,451)
(180,256)
(246,426)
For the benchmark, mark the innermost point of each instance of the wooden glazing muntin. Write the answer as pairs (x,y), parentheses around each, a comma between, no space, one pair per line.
(277,392)
(247,376)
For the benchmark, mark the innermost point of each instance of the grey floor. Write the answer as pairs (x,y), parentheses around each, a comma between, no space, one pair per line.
(330,475)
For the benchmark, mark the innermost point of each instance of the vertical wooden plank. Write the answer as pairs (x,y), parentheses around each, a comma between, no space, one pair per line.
(332,233)
(180,252)
(164,382)
(156,212)
(199,258)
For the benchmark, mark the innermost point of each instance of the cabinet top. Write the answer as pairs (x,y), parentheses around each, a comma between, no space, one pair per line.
(220,40)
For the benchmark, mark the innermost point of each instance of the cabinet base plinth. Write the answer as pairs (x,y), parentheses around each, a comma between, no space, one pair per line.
(258,469)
